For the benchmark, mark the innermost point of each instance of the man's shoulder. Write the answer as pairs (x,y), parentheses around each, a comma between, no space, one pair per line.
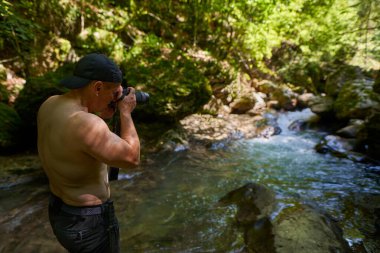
(85,123)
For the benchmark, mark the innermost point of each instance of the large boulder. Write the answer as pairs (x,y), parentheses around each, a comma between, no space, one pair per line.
(373,135)
(340,147)
(296,228)
(339,77)
(255,202)
(286,97)
(352,130)
(323,106)
(356,100)
(242,104)
(304,229)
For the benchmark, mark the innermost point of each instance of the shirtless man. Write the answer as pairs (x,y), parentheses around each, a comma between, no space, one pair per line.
(75,146)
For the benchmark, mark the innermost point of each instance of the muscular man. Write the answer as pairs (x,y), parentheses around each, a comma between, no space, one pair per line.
(75,146)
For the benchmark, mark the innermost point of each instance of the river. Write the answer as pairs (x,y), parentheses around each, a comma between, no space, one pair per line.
(171,205)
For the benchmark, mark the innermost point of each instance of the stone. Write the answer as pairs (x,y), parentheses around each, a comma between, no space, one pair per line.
(323,106)
(356,100)
(303,100)
(352,129)
(242,105)
(303,229)
(296,228)
(373,135)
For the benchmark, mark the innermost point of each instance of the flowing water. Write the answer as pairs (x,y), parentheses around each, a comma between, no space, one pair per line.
(171,205)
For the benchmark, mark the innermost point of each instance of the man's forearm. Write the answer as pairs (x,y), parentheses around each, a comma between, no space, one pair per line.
(129,134)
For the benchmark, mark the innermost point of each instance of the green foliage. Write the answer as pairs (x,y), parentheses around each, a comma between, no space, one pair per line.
(94,39)
(4,94)
(178,88)
(15,30)
(299,41)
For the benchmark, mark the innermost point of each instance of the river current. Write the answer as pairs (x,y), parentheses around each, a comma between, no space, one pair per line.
(171,205)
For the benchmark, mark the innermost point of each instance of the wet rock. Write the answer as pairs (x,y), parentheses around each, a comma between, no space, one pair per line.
(333,143)
(340,147)
(296,228)
(369,203)
(303,229)
(298,125)
(373,135)
(268,131)
(254,201)
(352,129)
(323,106)
(259,237)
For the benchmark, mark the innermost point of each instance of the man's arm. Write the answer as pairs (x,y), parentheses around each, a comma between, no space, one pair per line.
(105,146)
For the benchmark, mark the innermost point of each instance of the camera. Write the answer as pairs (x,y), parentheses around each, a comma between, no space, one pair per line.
(141,97)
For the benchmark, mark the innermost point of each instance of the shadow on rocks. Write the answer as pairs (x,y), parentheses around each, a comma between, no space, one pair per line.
(293,229)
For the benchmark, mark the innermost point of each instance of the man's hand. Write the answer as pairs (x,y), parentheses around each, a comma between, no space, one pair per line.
(128,103)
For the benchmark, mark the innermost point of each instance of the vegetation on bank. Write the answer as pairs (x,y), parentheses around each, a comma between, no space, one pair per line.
(184,53)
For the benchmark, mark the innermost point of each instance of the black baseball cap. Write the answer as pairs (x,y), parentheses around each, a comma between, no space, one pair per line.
(93,67)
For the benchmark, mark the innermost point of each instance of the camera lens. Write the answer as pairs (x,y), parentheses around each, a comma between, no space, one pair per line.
(142,97)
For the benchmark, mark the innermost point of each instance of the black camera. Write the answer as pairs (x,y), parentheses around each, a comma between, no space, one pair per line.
(141,97)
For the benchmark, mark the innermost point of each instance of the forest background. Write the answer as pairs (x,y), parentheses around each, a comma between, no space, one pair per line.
(184,53)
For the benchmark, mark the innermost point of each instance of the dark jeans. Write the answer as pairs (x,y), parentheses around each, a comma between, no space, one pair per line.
(87,229)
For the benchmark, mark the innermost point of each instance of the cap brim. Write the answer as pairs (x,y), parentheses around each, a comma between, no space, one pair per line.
(74,82)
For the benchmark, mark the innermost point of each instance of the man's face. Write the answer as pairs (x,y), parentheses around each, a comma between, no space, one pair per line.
(109,93)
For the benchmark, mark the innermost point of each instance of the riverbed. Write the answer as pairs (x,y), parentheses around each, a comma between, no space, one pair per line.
(171,203)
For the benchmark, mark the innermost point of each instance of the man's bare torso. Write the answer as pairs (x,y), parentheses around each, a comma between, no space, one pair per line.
(74,175)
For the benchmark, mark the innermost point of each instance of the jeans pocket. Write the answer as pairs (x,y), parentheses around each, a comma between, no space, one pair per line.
(70,238)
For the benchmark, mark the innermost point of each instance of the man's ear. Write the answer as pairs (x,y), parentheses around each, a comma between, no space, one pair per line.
(98,85)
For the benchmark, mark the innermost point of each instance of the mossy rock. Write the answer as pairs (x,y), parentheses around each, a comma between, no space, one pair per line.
(356,100)
(34,93)
(176,86)
(10,125)
(338,78)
